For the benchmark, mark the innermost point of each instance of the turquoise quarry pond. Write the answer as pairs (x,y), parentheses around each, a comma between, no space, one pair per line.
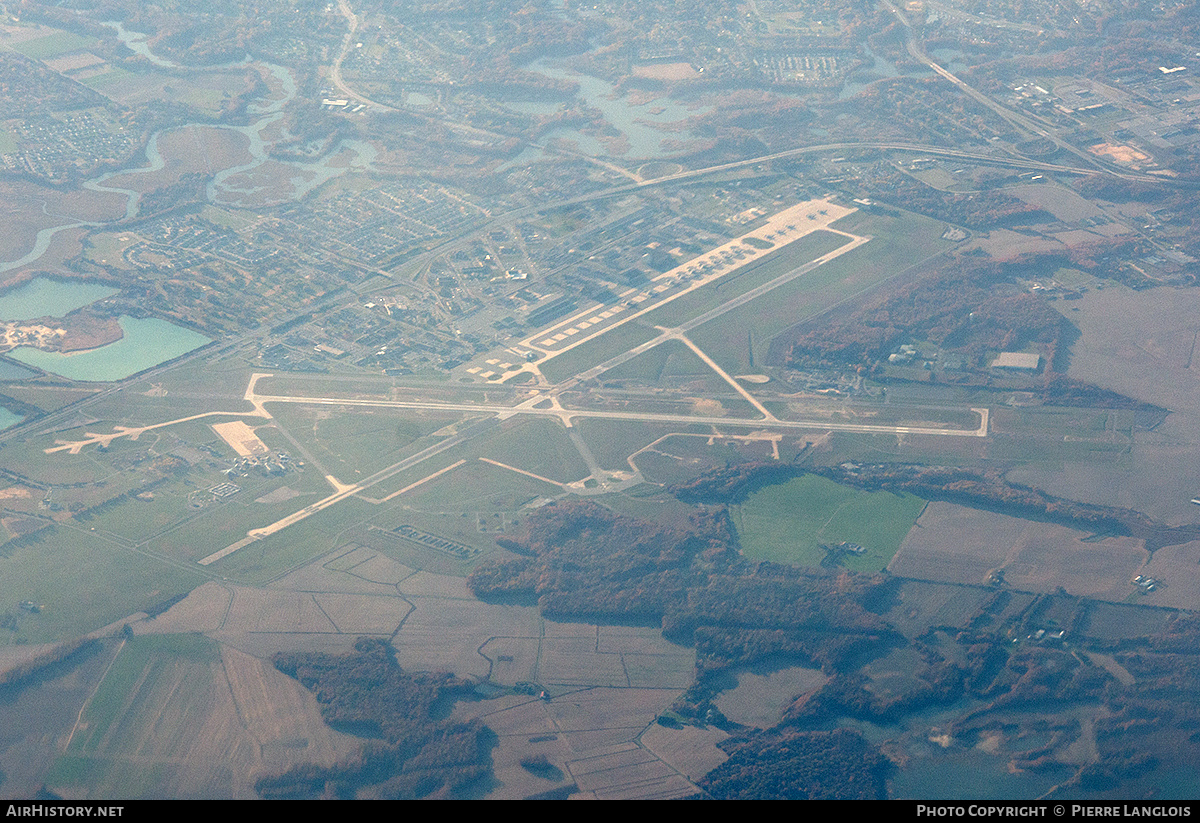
(146,341)
(8,418)
(42,297)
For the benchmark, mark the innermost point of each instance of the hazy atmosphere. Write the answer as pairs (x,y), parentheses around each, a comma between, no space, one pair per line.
(620,400)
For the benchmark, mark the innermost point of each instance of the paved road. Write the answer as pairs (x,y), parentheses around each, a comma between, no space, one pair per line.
(1023,122)
(567,415)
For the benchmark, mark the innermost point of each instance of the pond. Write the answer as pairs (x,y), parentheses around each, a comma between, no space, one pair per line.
(644,125)
(146,343)
(43,297)
(8,418)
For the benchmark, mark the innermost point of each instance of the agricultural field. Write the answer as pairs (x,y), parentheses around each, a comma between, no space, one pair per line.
(181,716)
(84,582)
(376,264)
(47,710)
(1140,344)
(758,696)
(52,45)
(952,543)
(919,606)
(789,522)
(591,738)
(1178,569)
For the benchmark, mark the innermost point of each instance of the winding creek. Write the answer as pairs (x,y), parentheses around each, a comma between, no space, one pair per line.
(258,182)
(233,186)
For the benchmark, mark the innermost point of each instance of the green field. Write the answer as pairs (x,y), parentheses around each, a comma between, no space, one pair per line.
(594,352)
(778,263)
(84,581)
(897,243)
(1049,434)
(424,469)
(787,522)
(140,663)
(613,441)
(54,44)
(354,443)
(449,505)
(474,487)
(878,414)
(268,558)
(539,445)
(670,363)
(112,77)
(108,751)
(185,505)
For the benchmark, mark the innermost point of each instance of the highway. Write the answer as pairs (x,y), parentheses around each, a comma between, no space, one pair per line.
(1014,118)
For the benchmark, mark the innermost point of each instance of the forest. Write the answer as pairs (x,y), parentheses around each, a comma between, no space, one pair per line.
(408,753)
(967,306)
(581,561)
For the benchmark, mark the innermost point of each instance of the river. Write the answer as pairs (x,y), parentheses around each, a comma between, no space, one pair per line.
(645,125)
(262,181)
(234,186)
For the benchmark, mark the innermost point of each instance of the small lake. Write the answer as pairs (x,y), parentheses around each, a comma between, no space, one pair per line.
(880,69)
(639,123)
(7,418)
(971,775)
(147,342)
(10,371)
(42,297)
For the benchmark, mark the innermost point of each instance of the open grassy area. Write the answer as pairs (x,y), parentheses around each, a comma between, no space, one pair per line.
(670,362)
(46,397)
(706,298)
(679,457)
(880,414)
(140,518)
(613,441)
(897,244)
(137,733)
(186,504)
(266,559)
(594,352)
(113,78)
(141,663)
(786,523)
(477,486)
(424,469)
(84,582)
(28,458)
(538,445)
(54,44)
(354,443)
(226,218)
